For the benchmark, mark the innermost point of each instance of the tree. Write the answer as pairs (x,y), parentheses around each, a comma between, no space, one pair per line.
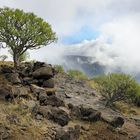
(115,87)
(21,31)
(22,57)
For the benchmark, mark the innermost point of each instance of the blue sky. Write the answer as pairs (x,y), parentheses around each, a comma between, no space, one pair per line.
(85,33)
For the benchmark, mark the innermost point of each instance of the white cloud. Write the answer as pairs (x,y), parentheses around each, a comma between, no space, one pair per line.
(68,16)
(118,22)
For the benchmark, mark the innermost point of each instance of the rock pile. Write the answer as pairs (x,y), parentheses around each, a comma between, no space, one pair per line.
(36,82)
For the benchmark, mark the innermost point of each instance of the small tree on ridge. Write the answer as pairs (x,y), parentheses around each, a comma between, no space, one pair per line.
(21,31)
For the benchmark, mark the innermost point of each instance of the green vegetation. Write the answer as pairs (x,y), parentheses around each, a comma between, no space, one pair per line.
(76,74)
(127,109)
(59,68)
(136,100)
(22,57)
(21,31)
(116,87)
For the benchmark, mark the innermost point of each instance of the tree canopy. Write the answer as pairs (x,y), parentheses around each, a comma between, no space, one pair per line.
(21,31)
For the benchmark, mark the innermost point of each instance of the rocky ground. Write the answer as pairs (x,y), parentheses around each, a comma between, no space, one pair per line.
(39,104)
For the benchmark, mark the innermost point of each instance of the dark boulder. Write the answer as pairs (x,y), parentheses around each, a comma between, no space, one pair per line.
(55,114)
(42,110)
(70,133)
(59,116)
(43,72)
(36,89)
(13,78)
(117,122)
(25,69)
(90,114)
(20,91)
(7,69)
(5,92)
(53,100)
(38,65)
(42,96)
(85,113)
(29,81)
(49,83)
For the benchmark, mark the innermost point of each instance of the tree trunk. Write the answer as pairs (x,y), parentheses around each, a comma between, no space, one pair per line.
(16,60)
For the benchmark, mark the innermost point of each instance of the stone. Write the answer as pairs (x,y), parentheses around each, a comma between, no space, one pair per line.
(25,69)
(117,122)
(38,65)
(31,104)
(114,121)
(50,91)
(52,100)
(69,133)
(43,110)
(5,92)
(42,97)
(59,116)
(19,91)
(55,114)
(13,78)
(85,127)
(36,89)
(28,81)
(89,114)
(7,69)
(49,83)
(94,116)
(39,117)
(75,111)
(85,113)
(43,72)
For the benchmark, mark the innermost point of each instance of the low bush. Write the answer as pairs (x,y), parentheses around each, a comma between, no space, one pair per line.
(59,68)
(76,74)
(115,87)
(136,100)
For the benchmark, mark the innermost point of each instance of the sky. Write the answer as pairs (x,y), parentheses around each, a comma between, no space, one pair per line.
(108,30)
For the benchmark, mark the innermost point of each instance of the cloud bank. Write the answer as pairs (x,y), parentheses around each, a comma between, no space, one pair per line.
(117,23)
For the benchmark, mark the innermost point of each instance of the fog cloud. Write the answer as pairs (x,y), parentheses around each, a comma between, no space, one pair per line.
(116,21)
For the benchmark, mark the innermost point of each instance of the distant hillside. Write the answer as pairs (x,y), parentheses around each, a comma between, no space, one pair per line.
(84,63)
(90,66)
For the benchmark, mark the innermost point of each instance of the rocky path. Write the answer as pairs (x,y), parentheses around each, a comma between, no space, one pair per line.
(80,94)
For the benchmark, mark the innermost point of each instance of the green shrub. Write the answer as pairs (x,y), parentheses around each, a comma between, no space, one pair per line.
(136,100)
(59,68)
(76,74)
(116,87)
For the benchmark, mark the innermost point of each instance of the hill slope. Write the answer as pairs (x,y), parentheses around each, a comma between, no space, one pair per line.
(38,104)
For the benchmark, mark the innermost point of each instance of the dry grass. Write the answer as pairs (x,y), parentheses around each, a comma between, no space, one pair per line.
(21,122)
(98,131)
(10,63)
(127,109)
